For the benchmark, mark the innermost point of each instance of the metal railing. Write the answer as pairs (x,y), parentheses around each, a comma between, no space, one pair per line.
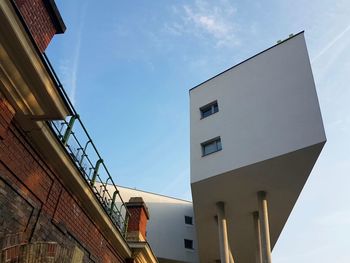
(75,138)
(78,144)
(85,156)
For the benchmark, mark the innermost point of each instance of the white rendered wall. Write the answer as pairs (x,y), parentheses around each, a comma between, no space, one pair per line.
(166,228)
(268,106)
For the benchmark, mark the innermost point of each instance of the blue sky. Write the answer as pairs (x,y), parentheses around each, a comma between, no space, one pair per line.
(128,65)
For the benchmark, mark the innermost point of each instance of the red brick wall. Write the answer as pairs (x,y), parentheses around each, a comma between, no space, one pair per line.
(38,21)
(70,214)
(36,205)
(138,220)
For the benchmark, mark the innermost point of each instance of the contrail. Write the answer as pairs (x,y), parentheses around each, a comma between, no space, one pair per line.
(76,57)
(330,44)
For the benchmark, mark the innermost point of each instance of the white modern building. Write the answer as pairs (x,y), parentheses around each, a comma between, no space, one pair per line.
(256,133)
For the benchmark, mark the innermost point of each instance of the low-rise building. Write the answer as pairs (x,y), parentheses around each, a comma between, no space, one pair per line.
(171,229)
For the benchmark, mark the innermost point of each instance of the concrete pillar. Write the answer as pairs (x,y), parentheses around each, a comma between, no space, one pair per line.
(231,258)
(258,256)
(223,238)
(264,227)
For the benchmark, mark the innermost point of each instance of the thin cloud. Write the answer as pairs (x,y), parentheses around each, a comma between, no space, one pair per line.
(70,67)
(203,19)
(178,182)
(330,44)
(73,81)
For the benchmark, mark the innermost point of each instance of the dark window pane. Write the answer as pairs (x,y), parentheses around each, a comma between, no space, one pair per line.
(188,243)
(209,109)
(211,146)
(188,220)
(206,112)
(218,145)
(215,108)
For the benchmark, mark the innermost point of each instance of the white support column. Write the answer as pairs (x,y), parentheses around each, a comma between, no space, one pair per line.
(264,227)
(258,256)
(223,238)
(231,257)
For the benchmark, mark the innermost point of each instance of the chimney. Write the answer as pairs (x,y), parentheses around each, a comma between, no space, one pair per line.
(138,219)
(42,19)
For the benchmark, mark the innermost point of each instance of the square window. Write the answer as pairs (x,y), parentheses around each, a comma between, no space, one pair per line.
(188,220)
(188,243)
(211,146)
(209,109)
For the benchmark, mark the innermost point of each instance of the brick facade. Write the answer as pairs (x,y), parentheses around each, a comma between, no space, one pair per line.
(139,216)
(39,20)
(37,213)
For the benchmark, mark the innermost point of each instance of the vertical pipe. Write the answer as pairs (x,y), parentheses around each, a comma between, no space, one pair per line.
(84,152)
(258,256)
(69,129)
(94,175)
(126,223)
(223,238)
(113,201)
(264,226)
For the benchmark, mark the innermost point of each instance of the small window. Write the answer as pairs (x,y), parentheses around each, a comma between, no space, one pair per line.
(188,243)
(211,146)
(188,220)
(209,109)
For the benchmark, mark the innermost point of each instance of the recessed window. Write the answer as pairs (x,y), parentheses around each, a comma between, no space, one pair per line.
(209,109)
(211,146)
(188,220)
(188,243)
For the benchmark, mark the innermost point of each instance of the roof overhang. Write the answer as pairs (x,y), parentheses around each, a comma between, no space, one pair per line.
(25,80)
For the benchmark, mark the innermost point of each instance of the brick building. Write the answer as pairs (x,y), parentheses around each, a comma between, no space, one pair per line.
(53,203)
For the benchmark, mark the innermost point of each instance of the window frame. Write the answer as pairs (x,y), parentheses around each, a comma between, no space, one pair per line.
(191,219)
(186,242)
(210,106)
(206,143)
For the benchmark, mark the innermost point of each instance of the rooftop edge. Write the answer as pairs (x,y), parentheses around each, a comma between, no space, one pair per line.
(279,43)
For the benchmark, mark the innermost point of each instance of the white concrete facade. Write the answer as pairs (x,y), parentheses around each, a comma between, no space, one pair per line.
(267,107)
(166,228)
(269,134)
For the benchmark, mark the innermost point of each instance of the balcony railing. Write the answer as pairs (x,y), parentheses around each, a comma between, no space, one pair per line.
(76,140)
(78,144)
